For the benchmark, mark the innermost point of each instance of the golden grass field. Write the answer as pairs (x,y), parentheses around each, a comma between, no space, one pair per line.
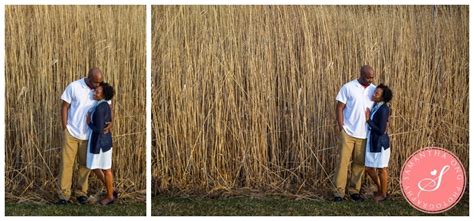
(48,47)
(244,96)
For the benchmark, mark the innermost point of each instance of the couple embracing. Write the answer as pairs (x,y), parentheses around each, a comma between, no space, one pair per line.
(86,118)
(362,115)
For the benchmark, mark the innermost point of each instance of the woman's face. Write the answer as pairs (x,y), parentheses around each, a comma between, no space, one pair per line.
(98,93)
(377,95)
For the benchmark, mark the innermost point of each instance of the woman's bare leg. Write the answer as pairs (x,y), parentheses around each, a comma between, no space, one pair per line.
(373,174)
(383,174)
(109,183)
(100,175)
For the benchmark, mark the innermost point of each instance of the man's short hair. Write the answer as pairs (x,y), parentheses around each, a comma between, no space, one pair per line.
(365,67)
(92,70)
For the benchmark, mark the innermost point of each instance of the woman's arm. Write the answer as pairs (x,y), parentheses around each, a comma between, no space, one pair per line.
(98,119)
(380,126)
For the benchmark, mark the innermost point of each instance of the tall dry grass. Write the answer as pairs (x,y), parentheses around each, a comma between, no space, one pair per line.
(47,47)
(244,96)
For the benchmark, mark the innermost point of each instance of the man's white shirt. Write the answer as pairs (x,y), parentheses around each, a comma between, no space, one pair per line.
(356,98)
(81,100)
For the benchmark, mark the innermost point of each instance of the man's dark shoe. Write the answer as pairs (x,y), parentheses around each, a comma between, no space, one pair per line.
(61,202)
(82,199)
(337,199)
(356,197)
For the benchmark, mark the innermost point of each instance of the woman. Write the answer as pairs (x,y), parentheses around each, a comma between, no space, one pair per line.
(377,152)
(99,154)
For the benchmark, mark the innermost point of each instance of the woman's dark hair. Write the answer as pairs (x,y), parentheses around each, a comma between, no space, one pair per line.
(386,93)
(108,91)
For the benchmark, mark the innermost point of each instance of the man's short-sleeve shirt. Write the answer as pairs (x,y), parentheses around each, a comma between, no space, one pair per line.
(81,100)
(356,98)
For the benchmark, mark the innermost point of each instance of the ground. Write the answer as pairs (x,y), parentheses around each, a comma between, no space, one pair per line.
(280,206)
(116,209)
(232,206)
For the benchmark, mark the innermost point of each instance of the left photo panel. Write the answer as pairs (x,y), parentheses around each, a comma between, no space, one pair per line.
(75,80)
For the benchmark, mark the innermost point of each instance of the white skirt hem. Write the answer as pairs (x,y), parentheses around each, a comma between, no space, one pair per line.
(376,159)
(102,160)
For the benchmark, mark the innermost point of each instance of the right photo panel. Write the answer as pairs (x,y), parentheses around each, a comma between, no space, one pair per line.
(310,110)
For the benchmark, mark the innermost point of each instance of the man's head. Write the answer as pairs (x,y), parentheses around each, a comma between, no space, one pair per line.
(367,75)
(95,77)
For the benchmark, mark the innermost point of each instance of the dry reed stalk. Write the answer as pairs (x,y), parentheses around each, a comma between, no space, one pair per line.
(244,96)
(47,47)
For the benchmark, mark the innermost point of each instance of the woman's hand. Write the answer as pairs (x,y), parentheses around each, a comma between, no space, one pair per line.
(367,114)
(88,118)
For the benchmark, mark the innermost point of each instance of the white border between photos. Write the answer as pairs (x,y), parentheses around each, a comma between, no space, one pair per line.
(148,4)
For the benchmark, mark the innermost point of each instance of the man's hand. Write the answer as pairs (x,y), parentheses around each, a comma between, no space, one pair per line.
(64,110)
(339,114)
(108,128)
(88,118)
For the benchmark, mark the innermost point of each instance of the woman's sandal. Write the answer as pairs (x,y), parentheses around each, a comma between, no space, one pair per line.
(106,201)
(380,198)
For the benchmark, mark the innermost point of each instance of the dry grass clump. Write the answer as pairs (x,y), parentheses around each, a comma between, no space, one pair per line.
(244,96)
(47,47)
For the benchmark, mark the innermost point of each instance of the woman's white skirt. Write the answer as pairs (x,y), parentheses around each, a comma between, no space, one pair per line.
(102,160)
(376,160)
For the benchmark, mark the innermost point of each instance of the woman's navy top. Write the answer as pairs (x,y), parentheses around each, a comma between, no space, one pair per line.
(378,125)
(99,140)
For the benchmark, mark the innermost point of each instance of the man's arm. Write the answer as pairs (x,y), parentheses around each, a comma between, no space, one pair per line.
(64,109)
(111,112)
(339,115)
(110,124)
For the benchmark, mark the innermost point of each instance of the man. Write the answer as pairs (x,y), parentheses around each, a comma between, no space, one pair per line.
(78,99)
(352,101)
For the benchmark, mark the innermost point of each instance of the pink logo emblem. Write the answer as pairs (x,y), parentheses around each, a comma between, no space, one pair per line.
(433,180)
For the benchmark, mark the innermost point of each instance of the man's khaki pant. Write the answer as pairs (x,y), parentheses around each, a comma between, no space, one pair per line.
(72,147)
(350,149)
